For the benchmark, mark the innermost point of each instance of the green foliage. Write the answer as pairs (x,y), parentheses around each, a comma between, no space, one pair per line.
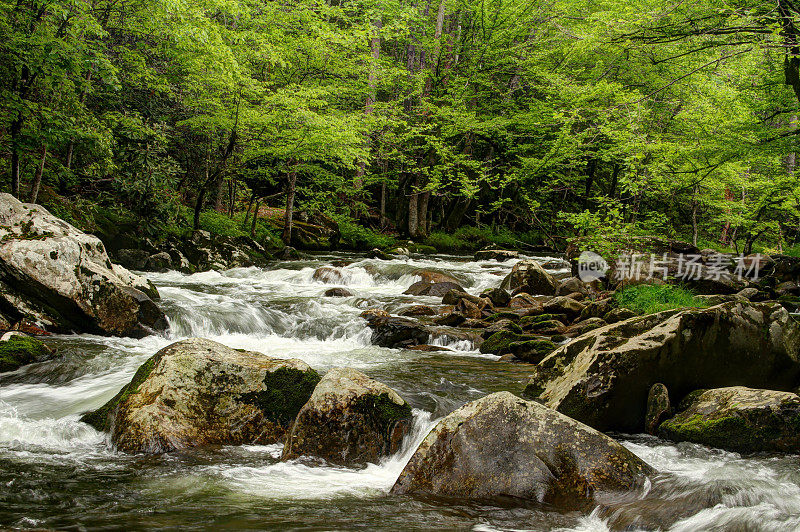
(354,236)
(649,299)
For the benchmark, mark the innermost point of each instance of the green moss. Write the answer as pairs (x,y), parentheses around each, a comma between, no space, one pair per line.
(499,342)
(532,351)
(287,390)
(101,418)
(513,316)
(384,412)
(21,350)
(526,321)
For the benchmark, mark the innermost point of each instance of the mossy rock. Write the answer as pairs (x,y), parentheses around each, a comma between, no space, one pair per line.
(528,321)
(737,419)
(287,390)
(532,351)
(20,350)
(499,342)
(504,315)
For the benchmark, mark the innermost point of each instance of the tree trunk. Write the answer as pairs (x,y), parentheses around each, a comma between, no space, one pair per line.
(422,217)
(219,193)
(16,130)
(290,190)
(413,213)
(695,206)
(37,178)
(249,206)
(383,205)
(255,219)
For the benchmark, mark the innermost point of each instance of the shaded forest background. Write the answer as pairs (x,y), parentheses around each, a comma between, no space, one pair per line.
(450,122)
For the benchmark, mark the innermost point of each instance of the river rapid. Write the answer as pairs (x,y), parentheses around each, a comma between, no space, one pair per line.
(56,472)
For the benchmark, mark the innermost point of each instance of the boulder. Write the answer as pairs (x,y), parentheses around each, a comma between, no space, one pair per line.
(391,331)
(572,285)
(288,253)
(418,310)
(198,392)
(738,419)
(564,305)
(603,377)
(328,275)
(658,407)
(529,276)
(498,296)
(62,279)
(338,292)
(350,420)
(500,255)
(17,350)
(430,276)
(452,297)
(425,288)
(501,446)
(378,254)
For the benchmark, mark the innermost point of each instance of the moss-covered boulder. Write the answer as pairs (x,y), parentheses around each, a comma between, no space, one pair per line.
(62,279)
(198,392)
(17,350)
(391,331)
(738,419)
(603,377)
(349,420)
(503,446)
(499,342)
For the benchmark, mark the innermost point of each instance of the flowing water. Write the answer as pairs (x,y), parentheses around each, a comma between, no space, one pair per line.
(56,472)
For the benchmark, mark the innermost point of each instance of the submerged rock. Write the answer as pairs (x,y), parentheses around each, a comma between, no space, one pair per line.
(603,377)
(17,350)
(503,446)
(350,419)
(198,392)
(738,419)
(338,292)
(62,279)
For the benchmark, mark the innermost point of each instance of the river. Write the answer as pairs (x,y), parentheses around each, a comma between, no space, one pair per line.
(56,472)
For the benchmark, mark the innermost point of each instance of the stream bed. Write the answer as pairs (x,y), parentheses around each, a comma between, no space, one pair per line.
(56,472)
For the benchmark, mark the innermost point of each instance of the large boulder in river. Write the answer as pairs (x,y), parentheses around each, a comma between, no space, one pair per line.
(349,420)
(738,419)
(504,446)
(603,377)
(528,276)
(198,392)
(391,331)
(62,279)
(427,288)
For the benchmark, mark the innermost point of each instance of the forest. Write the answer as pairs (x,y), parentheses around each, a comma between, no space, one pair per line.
(534,122)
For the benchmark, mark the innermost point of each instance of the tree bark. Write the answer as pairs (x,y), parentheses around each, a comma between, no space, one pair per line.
(37,178)
(413,212)
(16,130)
(422,217)
(383,205)
(255,219)
(290,190)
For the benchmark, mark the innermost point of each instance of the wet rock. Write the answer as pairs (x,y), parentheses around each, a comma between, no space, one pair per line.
(427,348)
(523,300)
(531,351)
(748,293)
(391,331)
(63,280)
(564,305)
(451,319)
(603,377)
(527,322)
(328,275)
(288,253)
(454,296)
(498,297)
(547,327)
(501,325)
(378,254)
(133,259)
(788,287)
(418,310)
(350,419)
(503,446)
(424,288)
(338,292)
(597,309)
(430,276)
(529,276)
(500,255)
(506,341)
(738,419)
(658,407)
(18,349)
(159,262)
(198,392)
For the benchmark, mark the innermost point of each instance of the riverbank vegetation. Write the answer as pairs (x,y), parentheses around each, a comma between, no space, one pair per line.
(453,123)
